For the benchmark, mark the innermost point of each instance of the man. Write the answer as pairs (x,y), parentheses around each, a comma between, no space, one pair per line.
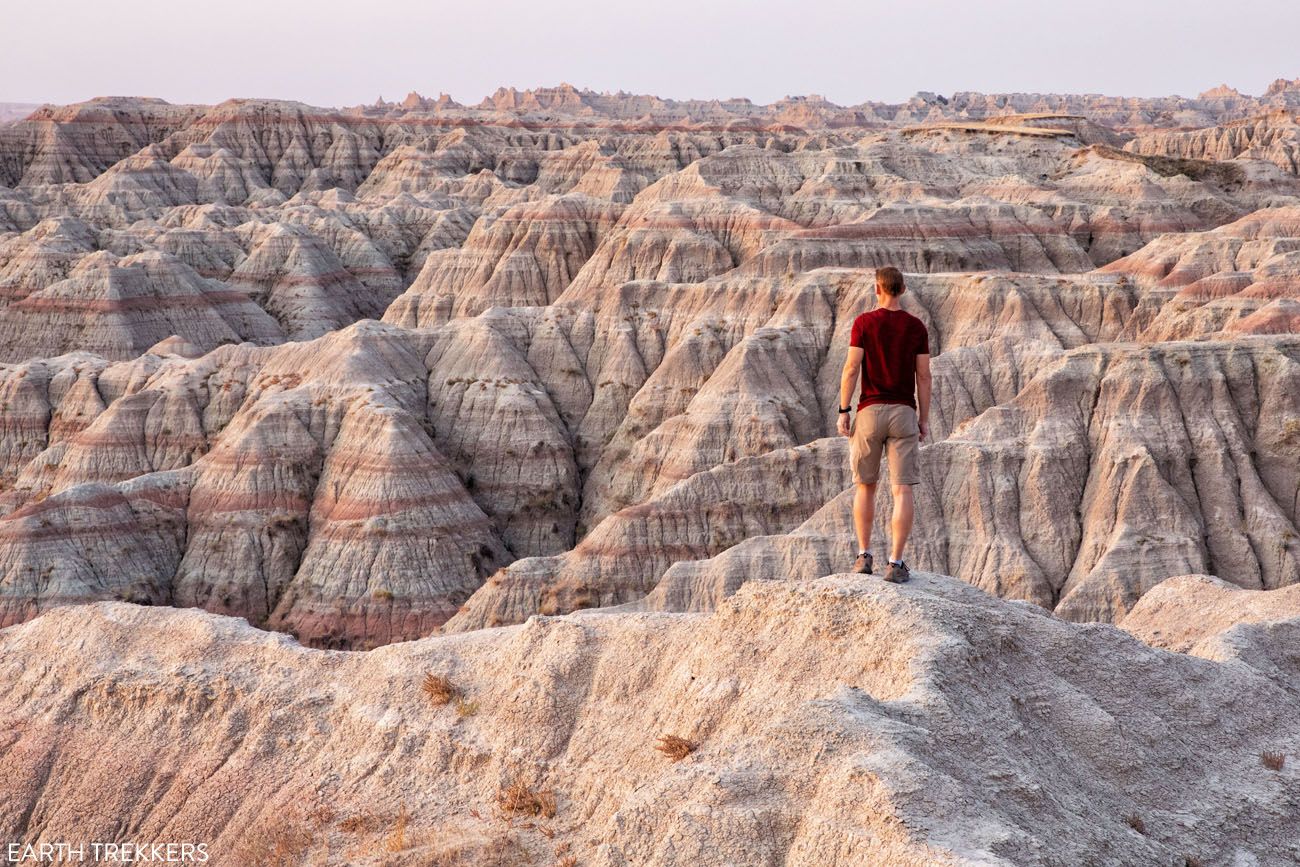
(890,348)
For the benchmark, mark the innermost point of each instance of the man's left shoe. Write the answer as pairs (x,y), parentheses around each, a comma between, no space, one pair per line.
(897,573)
(863,564)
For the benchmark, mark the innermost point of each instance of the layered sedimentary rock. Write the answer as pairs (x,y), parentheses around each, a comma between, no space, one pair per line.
(295,486)
(368,375)
(840,721)
(623,557)
(1238,279)
(1271,137)
(523,257)
(604,313)
(1107,473)
(118,308)
(77,143)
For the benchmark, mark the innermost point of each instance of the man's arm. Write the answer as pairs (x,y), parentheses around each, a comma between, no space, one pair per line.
(848,382)
(923,394)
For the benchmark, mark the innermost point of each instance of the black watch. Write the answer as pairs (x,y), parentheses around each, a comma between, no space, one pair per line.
(845,409)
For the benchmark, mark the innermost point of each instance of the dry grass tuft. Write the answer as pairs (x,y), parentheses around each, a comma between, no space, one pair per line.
(466,708)
(438,688)
(1135,822)
(282,842)
(323,814)
(674,747)
(396,841)
(519,797)
(1272,760)
(567,861)
(361,823)
(1192,861)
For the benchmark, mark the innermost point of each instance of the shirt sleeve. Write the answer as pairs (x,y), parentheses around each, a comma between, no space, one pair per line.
(922,339)
(857,335)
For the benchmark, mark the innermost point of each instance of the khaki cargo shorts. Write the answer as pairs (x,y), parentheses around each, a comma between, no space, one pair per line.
(882,426)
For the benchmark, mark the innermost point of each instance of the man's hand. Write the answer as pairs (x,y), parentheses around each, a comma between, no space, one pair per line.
(924,428)
(843,425)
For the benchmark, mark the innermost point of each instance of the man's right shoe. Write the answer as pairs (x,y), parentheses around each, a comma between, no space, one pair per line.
(863,564)
(897,573)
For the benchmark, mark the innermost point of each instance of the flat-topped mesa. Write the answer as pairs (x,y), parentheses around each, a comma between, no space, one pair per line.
(1034,124)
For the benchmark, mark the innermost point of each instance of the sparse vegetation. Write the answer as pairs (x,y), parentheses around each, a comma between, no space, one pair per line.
(1274,761)
(278,843)
(396,841)
(322,815)
(520,799)
(466,708)
(674,747)
(360,823)
(567,861)
(1192,861)
(1135,822)
(438,688)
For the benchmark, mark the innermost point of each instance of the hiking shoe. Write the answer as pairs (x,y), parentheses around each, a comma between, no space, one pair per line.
(897,573)
(863,564)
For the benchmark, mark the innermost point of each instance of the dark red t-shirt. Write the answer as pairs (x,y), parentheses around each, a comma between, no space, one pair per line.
(890,341)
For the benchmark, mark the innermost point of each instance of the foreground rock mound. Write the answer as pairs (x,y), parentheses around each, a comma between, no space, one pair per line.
(838,722)
(1196,613)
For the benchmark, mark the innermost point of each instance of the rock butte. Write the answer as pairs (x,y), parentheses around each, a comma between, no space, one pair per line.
(417,377)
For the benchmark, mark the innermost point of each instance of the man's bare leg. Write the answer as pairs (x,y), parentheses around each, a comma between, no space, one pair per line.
(901,523)
(864,512)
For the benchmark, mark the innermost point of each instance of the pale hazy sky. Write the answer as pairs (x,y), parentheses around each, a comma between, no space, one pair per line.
(341,53)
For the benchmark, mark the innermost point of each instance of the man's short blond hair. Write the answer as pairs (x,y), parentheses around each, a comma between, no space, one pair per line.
(890,280)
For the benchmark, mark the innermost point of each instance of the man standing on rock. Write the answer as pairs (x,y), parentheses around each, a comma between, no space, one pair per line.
(890,348)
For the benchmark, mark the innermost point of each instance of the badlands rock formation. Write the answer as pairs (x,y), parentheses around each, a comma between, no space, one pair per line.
(360,374)
(837,721)
(1195,613)
(432,381)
